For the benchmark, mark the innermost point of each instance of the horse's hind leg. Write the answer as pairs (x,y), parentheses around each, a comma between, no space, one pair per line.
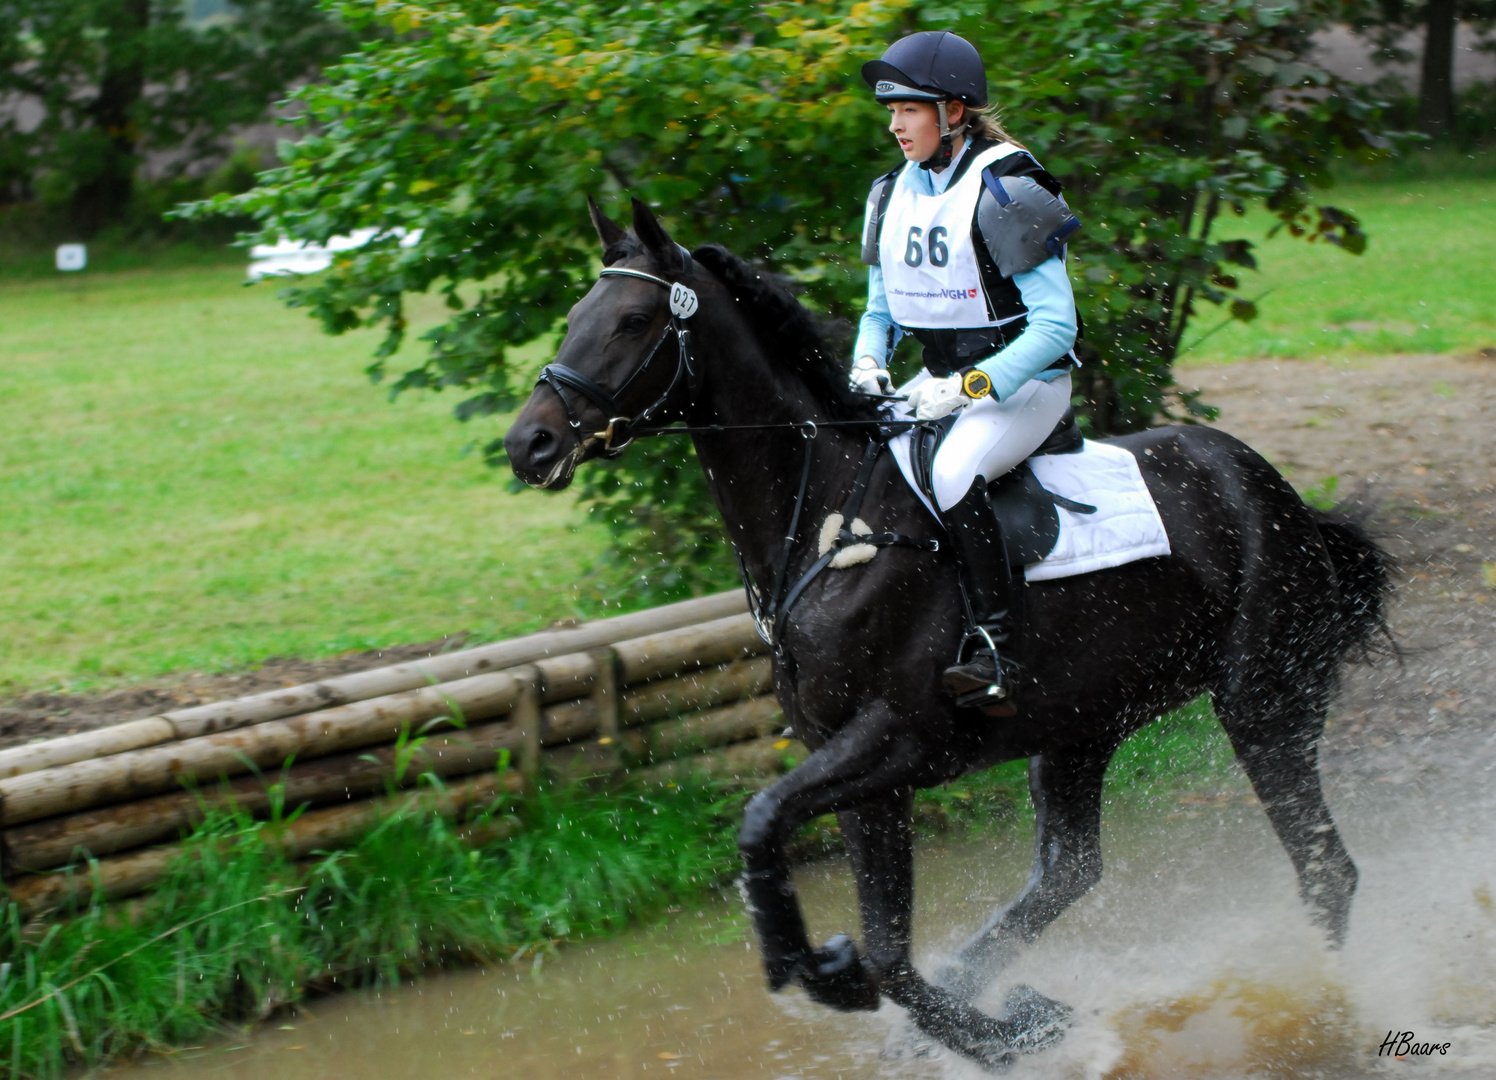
(1284,770)
(1066,789)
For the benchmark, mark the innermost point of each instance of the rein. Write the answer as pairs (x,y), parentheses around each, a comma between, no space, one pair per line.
(770,609)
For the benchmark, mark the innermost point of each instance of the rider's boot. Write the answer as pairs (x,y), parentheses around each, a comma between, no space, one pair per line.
(984,673)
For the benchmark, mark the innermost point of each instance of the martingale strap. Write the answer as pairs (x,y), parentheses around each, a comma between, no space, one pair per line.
(771,613)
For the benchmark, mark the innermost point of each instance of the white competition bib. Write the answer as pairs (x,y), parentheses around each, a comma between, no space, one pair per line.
(925,251)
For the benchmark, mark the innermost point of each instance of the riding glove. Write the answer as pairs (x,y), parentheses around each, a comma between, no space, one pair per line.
(934,398)
(869,378)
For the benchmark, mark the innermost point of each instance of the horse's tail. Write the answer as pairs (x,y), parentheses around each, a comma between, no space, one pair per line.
(1364,569)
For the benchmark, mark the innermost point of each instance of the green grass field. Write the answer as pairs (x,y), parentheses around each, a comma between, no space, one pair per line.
(1426,283)
(193,477)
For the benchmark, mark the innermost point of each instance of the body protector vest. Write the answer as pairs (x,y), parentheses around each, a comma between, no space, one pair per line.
(948,283)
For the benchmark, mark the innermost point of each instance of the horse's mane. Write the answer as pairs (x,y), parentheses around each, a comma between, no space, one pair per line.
(807,342)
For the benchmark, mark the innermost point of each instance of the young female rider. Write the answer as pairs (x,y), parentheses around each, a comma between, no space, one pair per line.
(965,244)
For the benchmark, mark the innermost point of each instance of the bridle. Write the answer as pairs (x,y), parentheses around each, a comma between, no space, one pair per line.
(560,378)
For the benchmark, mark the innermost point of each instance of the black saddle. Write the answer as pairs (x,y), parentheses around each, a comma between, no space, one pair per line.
(1027,509)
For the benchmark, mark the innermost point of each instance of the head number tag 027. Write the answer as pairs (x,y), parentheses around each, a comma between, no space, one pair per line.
(682,301)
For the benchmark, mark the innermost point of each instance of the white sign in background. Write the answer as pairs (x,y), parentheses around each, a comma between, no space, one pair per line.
(71,257)
(298,257)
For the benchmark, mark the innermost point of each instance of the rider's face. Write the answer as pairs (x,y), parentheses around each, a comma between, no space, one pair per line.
(916,125)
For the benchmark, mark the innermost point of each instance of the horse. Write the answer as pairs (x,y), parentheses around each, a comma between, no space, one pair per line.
(1258,605)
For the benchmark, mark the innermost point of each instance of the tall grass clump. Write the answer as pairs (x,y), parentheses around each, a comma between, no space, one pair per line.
(236,931)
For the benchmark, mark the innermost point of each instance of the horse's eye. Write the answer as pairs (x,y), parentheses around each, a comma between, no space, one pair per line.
(636,323)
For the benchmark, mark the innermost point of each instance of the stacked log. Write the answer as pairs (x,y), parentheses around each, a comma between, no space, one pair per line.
(660,695)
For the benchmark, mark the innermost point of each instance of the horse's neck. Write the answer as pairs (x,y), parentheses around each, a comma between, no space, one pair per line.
(754,475)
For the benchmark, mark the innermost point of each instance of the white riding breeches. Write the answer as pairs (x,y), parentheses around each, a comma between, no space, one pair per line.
(991,437)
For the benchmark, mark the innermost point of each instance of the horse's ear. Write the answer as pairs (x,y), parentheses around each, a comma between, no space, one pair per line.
(656,240)
(608,230)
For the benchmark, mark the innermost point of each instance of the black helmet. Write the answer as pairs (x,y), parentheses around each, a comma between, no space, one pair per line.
(932,65)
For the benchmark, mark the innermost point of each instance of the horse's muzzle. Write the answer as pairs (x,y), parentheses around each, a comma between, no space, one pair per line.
(543,456)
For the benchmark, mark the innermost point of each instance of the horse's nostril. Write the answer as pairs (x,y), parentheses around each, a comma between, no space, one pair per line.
(542,445)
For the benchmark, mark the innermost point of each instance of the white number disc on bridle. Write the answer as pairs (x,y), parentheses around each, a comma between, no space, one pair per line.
(682,301)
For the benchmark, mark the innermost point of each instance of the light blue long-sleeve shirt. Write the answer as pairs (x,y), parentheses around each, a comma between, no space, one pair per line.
(1048,335)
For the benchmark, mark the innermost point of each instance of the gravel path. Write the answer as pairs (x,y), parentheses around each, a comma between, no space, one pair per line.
(1414,438)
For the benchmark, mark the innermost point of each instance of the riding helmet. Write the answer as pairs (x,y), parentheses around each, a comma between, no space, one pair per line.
(932,65)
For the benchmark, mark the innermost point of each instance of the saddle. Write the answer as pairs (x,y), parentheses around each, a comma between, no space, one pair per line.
(1026,508)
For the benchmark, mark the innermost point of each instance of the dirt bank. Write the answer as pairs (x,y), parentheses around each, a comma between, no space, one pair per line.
(1415,437)
(1413,434)
(47,715)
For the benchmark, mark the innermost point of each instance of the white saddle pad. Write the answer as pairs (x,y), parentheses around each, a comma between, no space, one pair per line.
(1126,526)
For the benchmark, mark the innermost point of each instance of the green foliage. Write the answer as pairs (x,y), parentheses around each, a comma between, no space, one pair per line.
(667,541)
(1165,119)
(748,124)
(116,79)
(1437,109)
(236,932)
(1472,126)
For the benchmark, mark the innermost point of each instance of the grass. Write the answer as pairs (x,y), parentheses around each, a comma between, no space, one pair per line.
(194,477)
(1424,284)
(237,933)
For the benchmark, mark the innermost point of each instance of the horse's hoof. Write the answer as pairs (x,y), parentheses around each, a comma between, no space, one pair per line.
(834,977)
(996,1056)
(1037,1021)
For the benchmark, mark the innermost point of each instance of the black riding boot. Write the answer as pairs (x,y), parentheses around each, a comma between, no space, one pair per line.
(983,675)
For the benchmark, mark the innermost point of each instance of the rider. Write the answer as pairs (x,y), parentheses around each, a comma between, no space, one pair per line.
(966,251)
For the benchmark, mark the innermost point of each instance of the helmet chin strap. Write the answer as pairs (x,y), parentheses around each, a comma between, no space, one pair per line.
(941,158)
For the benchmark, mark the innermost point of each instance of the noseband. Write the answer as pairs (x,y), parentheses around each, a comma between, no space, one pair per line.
(561,378)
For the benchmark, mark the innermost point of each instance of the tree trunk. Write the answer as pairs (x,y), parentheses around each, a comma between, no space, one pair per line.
(1436,82)
(104,196)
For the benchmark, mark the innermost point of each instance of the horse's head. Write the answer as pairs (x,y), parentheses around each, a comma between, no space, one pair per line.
(622,365)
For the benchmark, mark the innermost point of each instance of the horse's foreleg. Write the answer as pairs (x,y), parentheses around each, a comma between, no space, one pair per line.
(1066,789)
(864,762)
(867,768)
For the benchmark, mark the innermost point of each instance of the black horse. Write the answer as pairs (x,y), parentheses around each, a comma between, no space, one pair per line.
(1258,605)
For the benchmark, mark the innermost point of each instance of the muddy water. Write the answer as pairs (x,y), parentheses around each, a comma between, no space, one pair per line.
(1193,960)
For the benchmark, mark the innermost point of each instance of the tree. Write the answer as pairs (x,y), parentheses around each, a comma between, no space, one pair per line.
(1389,20)
(114,79)
(747,123)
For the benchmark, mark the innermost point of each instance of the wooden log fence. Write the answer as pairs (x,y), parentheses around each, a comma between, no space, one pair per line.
(659,695)
(362,685)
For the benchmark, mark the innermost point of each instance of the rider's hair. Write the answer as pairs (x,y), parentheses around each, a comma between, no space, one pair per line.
(982,123)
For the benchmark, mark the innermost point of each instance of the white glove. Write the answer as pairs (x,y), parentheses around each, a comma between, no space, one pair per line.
(869,378)
(934,398)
